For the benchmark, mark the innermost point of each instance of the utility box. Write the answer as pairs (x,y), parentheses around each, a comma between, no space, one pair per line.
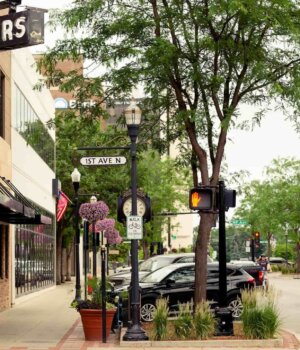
(224,321)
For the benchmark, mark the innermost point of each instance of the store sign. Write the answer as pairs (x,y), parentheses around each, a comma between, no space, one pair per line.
(21,29)
(62,103)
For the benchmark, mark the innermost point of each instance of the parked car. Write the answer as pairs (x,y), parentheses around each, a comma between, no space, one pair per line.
(253,268)
(273,260)
(176,282)
(152,264)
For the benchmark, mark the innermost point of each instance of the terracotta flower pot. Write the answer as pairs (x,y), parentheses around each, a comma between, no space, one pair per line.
(92,323)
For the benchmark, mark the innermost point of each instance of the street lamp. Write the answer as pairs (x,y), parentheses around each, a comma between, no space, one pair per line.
(76,181)
(134,332)
(93,199)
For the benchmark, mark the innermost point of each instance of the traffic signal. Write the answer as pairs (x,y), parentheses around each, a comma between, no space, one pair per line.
(201,199)
(257,237)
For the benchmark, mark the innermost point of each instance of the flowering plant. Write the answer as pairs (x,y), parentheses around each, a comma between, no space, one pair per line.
(93,211)
(113,236)
(103,225)
(95,302)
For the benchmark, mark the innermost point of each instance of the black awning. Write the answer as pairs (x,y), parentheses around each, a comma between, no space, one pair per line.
(16,209)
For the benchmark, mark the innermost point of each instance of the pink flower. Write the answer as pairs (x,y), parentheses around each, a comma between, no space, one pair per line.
(105,224)
(93,211)
(113,236)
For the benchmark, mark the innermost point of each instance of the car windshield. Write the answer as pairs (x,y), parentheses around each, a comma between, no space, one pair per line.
(158,275)
(154,264)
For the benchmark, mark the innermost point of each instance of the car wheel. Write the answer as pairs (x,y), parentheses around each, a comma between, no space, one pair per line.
(235,304)
(147,310)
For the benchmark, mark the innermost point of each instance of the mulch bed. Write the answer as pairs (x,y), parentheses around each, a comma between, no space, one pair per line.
(149,328)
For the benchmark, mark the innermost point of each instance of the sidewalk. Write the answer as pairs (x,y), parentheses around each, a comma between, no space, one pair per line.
(46,322)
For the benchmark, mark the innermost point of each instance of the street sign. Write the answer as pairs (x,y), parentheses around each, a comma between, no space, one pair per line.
(239,222)
(103,161)
(134,227)
(113,252)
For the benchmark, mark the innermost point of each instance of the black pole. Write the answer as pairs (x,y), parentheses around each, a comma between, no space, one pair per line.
(134,331)
(252,249)
(222,247)
(77,242)
(85,252)
(94,251)
(107,254)
(103,292)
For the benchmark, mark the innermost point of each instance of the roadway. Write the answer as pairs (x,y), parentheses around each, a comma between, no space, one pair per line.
(287,289)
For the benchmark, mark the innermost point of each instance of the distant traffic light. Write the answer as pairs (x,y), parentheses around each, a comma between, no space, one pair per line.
(201,199)
(257,238)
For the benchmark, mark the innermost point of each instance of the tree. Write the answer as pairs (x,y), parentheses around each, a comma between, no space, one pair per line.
(272,206)
(161,181)
(198,62)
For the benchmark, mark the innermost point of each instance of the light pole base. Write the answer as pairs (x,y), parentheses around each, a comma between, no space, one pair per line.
(135,333)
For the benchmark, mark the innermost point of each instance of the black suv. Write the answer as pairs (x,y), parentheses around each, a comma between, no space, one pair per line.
(176,282)
(152,264)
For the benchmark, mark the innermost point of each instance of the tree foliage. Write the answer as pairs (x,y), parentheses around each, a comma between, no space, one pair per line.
(197,62)
(161,181)
(272,206)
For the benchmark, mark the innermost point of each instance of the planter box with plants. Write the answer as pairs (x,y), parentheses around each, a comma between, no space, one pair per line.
(258,327)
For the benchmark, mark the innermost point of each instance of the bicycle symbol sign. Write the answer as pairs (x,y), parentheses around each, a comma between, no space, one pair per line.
(134,227)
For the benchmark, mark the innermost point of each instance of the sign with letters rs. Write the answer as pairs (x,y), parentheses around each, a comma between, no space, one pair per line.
(21,29)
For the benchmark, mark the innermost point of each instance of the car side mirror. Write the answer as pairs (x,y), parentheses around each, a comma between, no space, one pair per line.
(170,282)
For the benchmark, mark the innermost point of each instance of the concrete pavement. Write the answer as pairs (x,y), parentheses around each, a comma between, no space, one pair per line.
(47,322)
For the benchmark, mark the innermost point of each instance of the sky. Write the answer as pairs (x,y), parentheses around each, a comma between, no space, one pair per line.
(250,150)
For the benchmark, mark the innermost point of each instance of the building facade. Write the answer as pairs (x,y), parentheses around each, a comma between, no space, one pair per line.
(27,168)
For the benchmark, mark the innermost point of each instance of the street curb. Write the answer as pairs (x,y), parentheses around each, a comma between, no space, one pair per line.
(296,335)
(228,343)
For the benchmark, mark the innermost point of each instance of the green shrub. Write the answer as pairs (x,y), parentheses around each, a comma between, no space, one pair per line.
(204,321)
(183,325)
(260,317)
(285,269)
(160,320)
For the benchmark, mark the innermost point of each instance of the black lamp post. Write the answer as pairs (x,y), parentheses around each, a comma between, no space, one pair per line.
(134,332)
(93,199)
(76,181)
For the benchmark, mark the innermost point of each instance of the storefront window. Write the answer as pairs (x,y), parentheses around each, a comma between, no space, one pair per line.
(34,257)
(28,124)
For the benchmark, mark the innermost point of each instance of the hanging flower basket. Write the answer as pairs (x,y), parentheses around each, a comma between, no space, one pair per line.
(93,211)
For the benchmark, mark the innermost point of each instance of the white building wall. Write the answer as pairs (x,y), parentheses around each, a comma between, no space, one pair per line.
(181,225)
(30,174)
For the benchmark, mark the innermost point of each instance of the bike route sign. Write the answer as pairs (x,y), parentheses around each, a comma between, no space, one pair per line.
(134,227)
(103,161)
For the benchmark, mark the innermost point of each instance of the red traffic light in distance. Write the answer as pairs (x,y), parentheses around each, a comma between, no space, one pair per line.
(256,237)
(201,199)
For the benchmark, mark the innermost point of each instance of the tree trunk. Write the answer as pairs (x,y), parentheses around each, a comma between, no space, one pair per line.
(206,223)
(68,264)
(63,264)
(145,246)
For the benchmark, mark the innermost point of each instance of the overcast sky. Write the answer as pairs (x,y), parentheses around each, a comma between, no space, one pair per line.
(250,151)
